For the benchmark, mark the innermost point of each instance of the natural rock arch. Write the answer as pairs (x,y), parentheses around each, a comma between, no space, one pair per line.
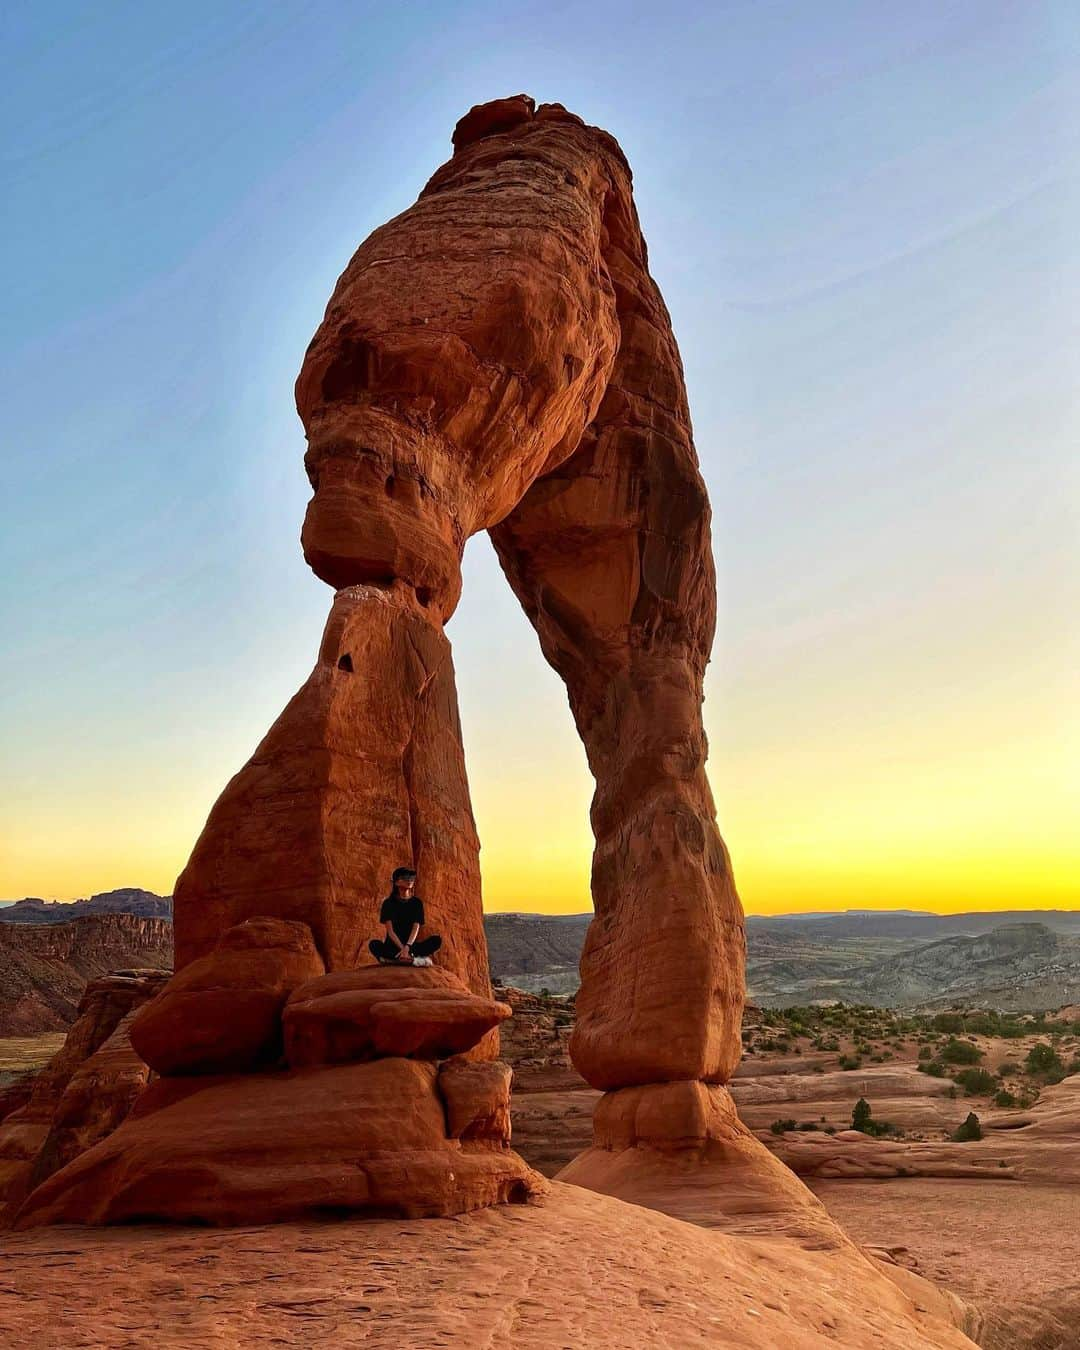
(498,358)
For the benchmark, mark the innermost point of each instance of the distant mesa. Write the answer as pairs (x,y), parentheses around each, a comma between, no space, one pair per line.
(127,900)
(1013,961)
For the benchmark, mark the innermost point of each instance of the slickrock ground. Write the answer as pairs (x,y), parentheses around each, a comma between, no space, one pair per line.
(576,1270)
(1003,1238)
(1011,1250)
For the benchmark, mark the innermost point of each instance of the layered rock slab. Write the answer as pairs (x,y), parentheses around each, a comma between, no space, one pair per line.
(421,1013)
(271,1147)
(1039,1145)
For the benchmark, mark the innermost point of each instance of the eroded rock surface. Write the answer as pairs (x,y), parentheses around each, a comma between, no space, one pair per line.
(575,1269)
(360,1119)
(83,1092)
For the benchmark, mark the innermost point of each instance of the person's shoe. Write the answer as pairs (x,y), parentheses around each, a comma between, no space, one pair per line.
(422,961)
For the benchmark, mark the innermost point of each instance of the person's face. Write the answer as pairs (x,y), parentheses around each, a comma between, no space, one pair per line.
(405,886)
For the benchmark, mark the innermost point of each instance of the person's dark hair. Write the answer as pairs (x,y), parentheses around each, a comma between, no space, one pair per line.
(400,873)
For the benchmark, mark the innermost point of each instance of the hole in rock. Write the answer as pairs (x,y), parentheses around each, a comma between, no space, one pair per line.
(345,662)
(350,372)
(390,485)
(423,594)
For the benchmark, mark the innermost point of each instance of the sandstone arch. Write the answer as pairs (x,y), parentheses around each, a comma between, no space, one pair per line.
(498,357)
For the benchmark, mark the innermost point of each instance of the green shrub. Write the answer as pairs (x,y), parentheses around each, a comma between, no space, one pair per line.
(925,1052)
(860,1116)
(1043,1058)
(960,1052)
(782,1126)
(935,1068)
(1004,1098)
(970,1130)
(976,1081)
(850,1062)
(948,1022)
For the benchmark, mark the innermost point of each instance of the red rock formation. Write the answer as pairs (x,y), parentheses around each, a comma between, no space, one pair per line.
(366,1014)
(371,1136)
(681,1148)
(87,1087)
(495,358)
(363,770)
(222,1013)
(477,1098)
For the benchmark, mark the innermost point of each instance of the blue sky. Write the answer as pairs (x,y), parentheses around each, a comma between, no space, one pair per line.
(864,218)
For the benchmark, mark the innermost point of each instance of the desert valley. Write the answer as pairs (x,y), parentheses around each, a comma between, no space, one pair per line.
(906,1185)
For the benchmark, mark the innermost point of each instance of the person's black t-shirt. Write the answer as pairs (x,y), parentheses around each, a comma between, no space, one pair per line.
(402,914)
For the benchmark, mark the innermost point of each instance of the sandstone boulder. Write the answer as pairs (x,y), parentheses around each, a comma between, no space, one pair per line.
(477,1098)
(269,1147)
(416,1012)
(222,1013)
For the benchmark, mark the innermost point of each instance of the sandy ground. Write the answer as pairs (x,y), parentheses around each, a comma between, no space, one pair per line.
(1014,1252)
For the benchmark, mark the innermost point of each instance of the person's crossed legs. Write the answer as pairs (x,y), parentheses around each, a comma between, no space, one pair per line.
(382,949)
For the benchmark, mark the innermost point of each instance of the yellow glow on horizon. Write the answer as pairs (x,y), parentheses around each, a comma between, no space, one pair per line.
(972,813)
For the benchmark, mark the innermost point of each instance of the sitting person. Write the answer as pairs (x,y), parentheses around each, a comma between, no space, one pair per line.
(402,917)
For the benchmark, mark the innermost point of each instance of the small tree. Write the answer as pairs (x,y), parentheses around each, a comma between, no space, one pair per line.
(1043,1058)
(861,1115)
(970,1130)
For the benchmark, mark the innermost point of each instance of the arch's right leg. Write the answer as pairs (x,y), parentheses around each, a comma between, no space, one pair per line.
(610,556)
